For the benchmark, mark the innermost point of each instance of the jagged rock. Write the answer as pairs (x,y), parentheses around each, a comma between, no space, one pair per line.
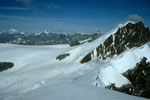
(108,41)
(86,58)
(62,56)
(129,36)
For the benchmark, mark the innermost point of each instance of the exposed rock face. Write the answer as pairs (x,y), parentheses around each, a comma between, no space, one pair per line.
(129,36)
(139,77)
(86,58)
(62,56)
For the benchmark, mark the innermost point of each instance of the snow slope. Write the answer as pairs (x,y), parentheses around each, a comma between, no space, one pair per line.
(38,75)
(110,71)
(72,92)
(122,63)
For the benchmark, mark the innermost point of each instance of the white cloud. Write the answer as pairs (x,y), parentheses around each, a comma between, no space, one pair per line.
(13,8)
(135,17)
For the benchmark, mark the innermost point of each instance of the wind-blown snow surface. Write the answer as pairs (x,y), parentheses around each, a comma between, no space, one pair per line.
(37,75)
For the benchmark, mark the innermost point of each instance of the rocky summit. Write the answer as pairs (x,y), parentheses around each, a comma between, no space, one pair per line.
(127,37)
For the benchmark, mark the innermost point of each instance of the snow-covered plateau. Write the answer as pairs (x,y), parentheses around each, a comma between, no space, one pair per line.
(37,75)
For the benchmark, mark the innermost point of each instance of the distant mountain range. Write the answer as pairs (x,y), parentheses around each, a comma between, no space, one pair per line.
(46,38)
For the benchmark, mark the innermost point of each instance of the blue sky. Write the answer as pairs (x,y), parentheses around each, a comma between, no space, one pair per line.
(71,15)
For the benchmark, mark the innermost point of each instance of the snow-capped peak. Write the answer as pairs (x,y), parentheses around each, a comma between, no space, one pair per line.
(113,31)
(46,32)
(37,33)
(124,24)
(12,31)
(22,33)
(43,32)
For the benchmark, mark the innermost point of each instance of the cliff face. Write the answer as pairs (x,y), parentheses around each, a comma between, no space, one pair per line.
(129,36)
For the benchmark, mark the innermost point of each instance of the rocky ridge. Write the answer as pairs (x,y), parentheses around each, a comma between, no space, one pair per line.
(127,37)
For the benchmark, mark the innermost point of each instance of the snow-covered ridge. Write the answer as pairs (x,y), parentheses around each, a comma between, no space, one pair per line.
(43,32)
(122,63)
(124,24)
(113,31)
(126,37)
(118,64)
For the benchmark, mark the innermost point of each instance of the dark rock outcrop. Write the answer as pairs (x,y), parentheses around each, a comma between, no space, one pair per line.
(62,56)
(5,65)
(129,36)
(86,58)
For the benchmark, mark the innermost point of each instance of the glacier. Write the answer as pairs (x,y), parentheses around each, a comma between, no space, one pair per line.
(37,75)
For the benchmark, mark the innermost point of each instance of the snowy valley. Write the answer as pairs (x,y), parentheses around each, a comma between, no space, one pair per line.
(82,75)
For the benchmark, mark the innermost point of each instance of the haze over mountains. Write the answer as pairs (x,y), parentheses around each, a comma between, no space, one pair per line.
(45,37)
